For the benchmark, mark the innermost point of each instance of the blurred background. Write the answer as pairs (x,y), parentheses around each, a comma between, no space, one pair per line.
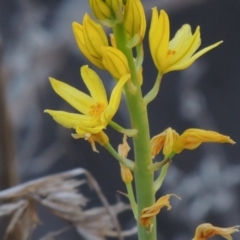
(37,42)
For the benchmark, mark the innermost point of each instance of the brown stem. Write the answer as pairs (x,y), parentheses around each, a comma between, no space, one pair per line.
(8,172)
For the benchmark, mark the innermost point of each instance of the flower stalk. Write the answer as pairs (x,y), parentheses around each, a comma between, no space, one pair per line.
(126,162)
(123,59)
(145,193)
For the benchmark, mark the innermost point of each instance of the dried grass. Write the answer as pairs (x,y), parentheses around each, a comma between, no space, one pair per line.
(59,193)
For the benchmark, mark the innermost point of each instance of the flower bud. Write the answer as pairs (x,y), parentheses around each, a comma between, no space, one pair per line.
(94,36)
(108,11)
(90,37)
(134,18)
(126,174)
(114,5)
(100,9)
(115,62)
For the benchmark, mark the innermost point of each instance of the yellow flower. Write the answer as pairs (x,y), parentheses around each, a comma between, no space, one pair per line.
(96,111)
(163,140)
(150,212)
(134,18)
(107,11)
(90,37)
(115,62)
(178,53)
(123,150)
(207,230)
(193,137)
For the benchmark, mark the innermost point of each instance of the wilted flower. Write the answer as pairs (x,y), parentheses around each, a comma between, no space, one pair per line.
(150,212)
(123,150)
(178,53)
(193,137)
(163,140)
(207,230)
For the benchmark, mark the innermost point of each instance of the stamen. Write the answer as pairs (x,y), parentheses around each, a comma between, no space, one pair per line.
(97,109)
(171,52)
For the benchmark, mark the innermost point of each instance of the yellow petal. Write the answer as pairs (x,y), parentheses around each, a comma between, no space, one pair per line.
(159,38)
(78,34)
(207,230)
(192,138)
(154,36)
(114,5)
(68,120)
(157,143)
(94,36)
(162,48)
(100,9)
(171,137)
(183,35)
(114,100)
(83,129)
(187,63)
(94,85)
(164,140)
(112,40)
(134,18)
(74,97)
(143,20)
(186,45)
(100,138)
(123,150)
(177,54)
(126,174)
(150,212)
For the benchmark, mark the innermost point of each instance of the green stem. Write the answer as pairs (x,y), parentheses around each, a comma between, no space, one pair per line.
(128,132)
(143,177)
(158,182)
(139,59)
(126,162)
(158,165)
(154,91)
(132,199)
